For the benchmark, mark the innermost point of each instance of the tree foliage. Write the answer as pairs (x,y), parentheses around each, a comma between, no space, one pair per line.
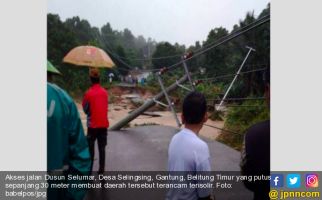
(129,51)
(122,46)
(165,49)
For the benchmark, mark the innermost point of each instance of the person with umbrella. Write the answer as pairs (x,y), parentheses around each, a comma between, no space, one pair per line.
(111,75)
(95,101)
(95,105)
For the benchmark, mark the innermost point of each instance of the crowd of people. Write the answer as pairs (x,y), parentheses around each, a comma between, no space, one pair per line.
(68,149)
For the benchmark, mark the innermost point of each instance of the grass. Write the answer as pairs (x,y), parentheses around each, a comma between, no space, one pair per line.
(235,141)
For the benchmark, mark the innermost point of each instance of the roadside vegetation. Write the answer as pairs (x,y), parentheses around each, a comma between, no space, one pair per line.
(239,119)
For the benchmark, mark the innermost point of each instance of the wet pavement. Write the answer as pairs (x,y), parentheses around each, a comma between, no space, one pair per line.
(145,148)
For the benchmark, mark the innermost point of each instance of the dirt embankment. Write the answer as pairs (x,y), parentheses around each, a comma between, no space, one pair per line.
(121,103)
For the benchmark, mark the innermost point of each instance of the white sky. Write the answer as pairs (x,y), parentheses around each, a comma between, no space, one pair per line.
(182,21)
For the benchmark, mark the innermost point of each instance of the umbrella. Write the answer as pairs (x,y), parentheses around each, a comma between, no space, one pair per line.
(89,56)
(111,75)
(52,69)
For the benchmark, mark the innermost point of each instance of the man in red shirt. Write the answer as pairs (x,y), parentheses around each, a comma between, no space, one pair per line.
(95,105)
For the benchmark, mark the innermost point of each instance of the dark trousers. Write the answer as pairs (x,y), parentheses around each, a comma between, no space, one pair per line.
(101,135)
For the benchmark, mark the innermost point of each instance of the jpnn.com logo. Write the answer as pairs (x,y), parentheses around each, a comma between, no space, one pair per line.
(277,180)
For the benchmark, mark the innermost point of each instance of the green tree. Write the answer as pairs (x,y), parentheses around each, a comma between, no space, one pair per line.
(217,59)
(121,67)
(165,49)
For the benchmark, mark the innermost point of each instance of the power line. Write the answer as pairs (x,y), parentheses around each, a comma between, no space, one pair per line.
(156,58)
(240,29)
(204,46)
(211,45)
(260,106)
(120,60)
(129,68)
(239,99)
(246,66)
(105,42)
(219,42)
(222,129)
(135,59)
(229,75)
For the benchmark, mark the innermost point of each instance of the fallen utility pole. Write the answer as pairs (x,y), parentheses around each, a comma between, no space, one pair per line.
(236,75)
(189,55)
(148,104)
(170,104)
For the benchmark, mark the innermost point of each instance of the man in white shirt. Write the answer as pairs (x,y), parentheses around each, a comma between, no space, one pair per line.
(188,154)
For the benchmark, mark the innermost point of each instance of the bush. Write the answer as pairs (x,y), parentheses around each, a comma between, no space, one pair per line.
(211,91)
(216,115)
(239,119)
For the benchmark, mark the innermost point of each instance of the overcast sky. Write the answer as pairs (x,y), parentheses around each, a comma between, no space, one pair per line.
(182,21)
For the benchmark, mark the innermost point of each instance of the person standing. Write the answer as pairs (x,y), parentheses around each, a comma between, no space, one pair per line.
(111,75)
(188,154)
(67,148)
(255,154)
(95,106)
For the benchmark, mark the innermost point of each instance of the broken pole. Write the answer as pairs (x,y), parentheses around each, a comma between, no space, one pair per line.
(148,104)
(187,56)
(236,75)
(168,100)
